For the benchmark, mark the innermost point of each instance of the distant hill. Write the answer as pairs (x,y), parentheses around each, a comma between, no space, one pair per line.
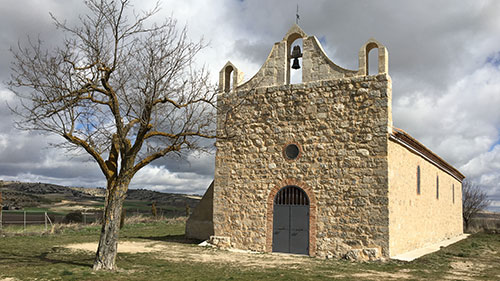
(18,195)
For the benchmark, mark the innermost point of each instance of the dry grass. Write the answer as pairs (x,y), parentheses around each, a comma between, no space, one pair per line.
(484,225)
(135,219)
(487,222)
(58,228)
(159,251)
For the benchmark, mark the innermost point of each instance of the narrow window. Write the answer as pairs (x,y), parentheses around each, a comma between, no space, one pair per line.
(418,180)
(228,79)
(372,59)
(453,193)
(437,187)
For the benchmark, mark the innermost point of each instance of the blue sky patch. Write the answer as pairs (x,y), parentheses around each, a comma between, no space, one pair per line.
(494,59)
(322,40)
(493,145)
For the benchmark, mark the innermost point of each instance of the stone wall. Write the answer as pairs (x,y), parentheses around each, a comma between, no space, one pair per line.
(200,223)
(341,126)
(419,219)
(359,180)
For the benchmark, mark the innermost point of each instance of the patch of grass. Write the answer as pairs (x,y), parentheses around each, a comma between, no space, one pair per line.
(67,272)
(47,259)
(37,228)
(145,206)
(137,205)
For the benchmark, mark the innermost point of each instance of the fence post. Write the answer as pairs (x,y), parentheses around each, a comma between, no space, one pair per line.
(24,221)
(45,219)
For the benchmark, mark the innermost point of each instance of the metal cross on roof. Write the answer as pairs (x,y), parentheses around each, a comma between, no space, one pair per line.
(297,15)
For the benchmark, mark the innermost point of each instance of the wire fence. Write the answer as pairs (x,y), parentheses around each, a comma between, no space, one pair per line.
(27,218)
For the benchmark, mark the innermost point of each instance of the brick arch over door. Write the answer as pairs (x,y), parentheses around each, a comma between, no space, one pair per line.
(312,213)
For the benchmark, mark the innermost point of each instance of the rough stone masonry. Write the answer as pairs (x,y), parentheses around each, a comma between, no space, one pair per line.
(357,172)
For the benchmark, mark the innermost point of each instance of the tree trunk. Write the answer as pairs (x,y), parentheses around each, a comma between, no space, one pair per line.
(105,258)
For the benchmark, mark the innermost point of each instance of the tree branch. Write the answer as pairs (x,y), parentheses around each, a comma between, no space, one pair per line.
(91,151)
(178,135)
(154,156)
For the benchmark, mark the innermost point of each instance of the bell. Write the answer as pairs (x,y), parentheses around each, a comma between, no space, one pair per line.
(295,64)
(296,54)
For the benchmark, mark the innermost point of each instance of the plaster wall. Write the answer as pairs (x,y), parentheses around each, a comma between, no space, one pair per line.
(416,220)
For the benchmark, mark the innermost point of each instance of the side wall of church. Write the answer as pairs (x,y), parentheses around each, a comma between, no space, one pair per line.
(419,219)
(341,127)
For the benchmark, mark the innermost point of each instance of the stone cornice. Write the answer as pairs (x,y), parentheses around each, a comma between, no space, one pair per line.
(403,138)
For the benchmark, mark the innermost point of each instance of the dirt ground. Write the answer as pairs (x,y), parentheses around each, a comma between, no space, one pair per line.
(179,253)
(459,269)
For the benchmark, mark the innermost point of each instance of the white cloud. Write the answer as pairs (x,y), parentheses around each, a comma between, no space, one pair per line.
(444,63)
(4,142)
(459,123)
(161,179)
(485,167)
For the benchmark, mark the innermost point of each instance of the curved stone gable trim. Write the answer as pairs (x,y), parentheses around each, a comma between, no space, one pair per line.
(312,213)
(316,65)
(315,56)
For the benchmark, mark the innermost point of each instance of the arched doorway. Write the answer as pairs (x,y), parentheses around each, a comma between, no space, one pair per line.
(291,221)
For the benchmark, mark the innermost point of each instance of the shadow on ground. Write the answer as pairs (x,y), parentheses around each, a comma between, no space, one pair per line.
(170,238)
(44,257)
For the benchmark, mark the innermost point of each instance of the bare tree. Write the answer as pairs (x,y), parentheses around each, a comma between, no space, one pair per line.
(474,200)
(121,90)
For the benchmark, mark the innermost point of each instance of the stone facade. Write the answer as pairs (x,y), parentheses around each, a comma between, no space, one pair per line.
(350,164)
(344,165)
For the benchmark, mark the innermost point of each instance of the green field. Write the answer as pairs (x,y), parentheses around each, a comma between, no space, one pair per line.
(44,257)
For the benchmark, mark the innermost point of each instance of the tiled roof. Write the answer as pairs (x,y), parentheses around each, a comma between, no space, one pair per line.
(405,139)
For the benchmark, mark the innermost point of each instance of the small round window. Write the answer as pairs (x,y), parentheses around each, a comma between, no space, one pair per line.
(292,151)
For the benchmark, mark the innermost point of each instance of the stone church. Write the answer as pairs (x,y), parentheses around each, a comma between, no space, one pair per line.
(317,167)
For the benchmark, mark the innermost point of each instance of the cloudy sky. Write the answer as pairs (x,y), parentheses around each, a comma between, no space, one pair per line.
(444,60)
